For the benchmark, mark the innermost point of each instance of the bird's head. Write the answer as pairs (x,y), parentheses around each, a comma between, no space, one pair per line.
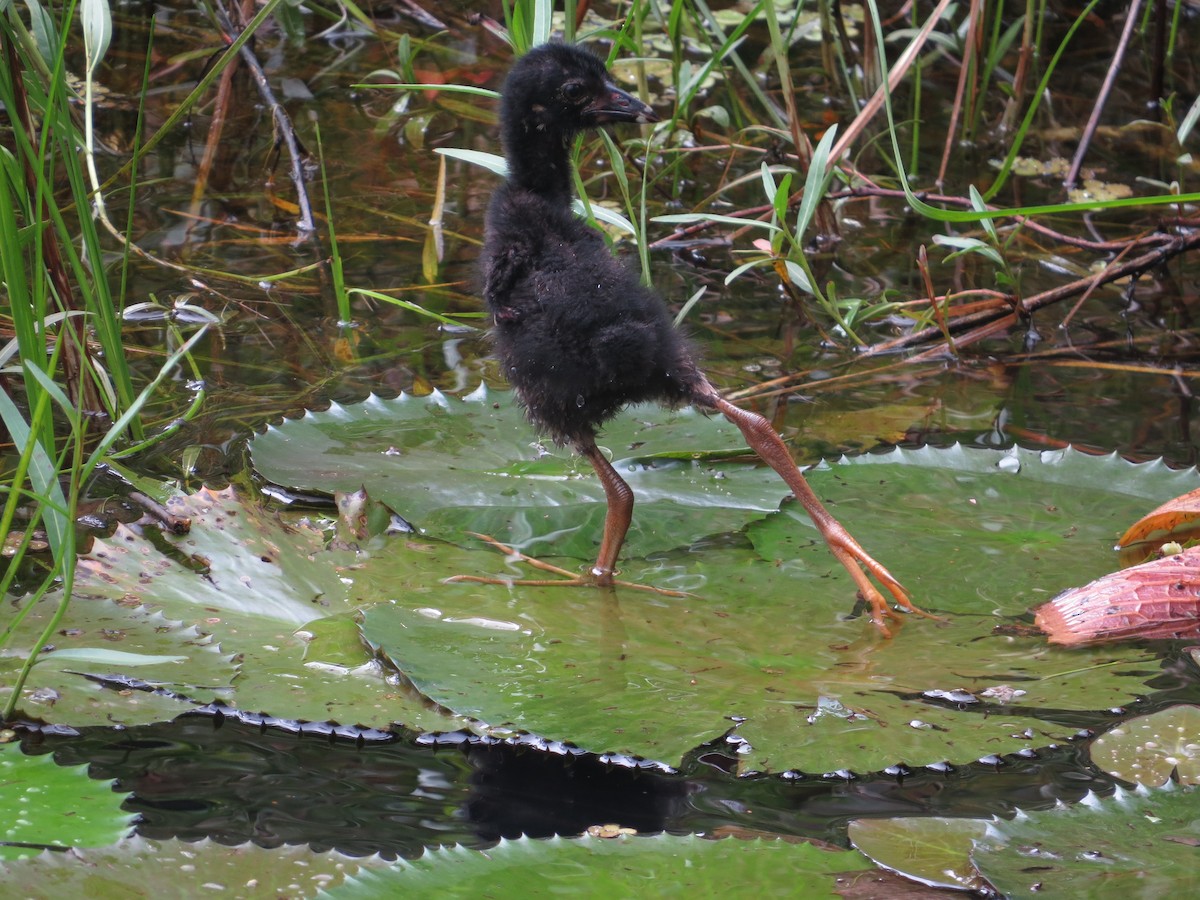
(561,89)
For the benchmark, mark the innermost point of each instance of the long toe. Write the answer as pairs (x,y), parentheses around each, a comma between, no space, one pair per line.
(566,579)
(855,560)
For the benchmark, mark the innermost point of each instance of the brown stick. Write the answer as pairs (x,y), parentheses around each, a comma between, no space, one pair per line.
(1173,247)
(1105,89)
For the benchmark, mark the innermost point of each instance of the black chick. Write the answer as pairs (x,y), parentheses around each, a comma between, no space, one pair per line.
(576,333)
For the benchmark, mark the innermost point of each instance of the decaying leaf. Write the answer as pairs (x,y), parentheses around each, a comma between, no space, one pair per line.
(1156,600)
(1169,520)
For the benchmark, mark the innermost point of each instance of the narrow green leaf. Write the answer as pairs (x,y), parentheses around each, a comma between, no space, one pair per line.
(104,657)
(979,205)
(607,216)
(744,267)
(42,474)
(491,161)
(44,32)
(543,15)
(770,188)
(815,183)
(693,218)
(97,32)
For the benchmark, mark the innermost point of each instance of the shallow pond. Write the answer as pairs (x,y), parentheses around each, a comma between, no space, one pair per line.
(764,706)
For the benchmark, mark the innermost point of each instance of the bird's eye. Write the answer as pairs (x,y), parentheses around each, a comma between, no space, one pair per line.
(573,91)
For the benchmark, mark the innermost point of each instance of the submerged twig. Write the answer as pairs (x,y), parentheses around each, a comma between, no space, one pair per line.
(285,130)
(1105,89)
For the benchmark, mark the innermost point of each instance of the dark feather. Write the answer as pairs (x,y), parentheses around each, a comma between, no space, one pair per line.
(577,335)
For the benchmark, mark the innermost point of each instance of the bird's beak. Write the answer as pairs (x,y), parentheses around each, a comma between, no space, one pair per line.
(614,105)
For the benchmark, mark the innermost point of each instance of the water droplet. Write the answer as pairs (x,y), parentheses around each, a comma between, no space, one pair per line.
(579,401)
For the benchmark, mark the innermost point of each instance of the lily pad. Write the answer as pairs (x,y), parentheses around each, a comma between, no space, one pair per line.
(452,465)
(978,536)
(934,850)
(137,867)
(1154,749)
(260,608)
(768,635)
(624,866)
(657,676)
(46,806)
(1141,843)
(94,624)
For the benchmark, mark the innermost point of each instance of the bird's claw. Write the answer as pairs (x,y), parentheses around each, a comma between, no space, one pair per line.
(856,560)
(567,579)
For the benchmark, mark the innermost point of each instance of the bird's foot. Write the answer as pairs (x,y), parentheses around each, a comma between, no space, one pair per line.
(851,555)
(568,578)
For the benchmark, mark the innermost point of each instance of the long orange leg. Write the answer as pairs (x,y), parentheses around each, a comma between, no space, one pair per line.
(764,440)
(616,524)
(620,511)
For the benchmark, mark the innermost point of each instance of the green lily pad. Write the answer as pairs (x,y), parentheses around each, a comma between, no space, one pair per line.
(137,867)
(1140,843)
(1137,843)
(44,805)
(1153,749)
(452,465)
(978,536)
(656,676)
(262,611)
(934,850)
(111,636)
(625,866)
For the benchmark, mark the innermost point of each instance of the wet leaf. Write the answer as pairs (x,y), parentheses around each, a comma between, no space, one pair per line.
(1167,520)
(1157,600)
(625,866)
(103,657)
(133,629)
(1154,749)
(654,676)
(1136,843)
(999,531)
(767,636)
(232,596)
(452,466)
(46,805)
(935,851)
(137,867)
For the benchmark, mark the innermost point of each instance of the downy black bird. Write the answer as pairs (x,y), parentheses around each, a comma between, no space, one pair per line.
(577,335)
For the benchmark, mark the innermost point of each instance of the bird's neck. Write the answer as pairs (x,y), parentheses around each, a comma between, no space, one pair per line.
(539,160)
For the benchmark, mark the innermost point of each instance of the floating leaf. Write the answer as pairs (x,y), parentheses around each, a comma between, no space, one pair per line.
(998,532)
(244,583)
(1152,749)
(1166,521)
(137,867)
(46,806)
(1093,189)
(1157,600)
(1136,843)
(56,689)
(452,466)
(625,866)
(934,850)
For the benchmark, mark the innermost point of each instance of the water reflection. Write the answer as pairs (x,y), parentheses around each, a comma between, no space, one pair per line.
(208,774)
